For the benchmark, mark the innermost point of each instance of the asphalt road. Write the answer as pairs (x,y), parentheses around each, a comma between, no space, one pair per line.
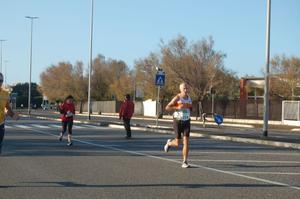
(103,164)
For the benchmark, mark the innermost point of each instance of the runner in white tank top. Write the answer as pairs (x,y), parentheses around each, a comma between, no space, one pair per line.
(182,106)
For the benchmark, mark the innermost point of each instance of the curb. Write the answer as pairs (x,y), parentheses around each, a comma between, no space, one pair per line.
(215,137)
(227,138)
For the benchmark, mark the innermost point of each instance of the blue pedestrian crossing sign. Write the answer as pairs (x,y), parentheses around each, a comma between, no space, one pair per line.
(218,119)
(160,79)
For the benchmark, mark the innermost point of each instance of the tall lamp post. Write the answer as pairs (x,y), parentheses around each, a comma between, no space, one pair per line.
(1,40)
(5,72)
(91,60)
(30,65)
(266,93)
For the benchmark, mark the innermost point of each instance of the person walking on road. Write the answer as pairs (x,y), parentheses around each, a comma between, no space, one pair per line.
(181,104)
(4,105)
(126,112)
(67,109)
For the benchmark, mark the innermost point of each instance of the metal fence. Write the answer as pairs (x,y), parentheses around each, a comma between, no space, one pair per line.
(230,109)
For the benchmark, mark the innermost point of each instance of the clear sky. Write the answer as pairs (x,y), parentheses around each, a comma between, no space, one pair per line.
(131,29)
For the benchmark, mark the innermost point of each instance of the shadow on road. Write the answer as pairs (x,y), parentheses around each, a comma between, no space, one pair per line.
(67,184)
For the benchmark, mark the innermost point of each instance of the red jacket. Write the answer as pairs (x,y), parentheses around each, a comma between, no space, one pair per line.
(126,109)
(68,112)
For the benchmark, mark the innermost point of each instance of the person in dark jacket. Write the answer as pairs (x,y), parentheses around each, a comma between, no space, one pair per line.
(67,109)
(126,112)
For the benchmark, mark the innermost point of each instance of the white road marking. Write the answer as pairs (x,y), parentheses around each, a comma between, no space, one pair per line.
(243,153)
(22,126)
(246,161)
(49,126)
(54,125)
(179,162)
(116,126)
(295,129)
(77,127)
(266,173)
(233,147)
(89,126)
(93,127)
(40,126)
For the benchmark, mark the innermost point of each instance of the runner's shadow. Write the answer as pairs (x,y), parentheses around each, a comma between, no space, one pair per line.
(68,184)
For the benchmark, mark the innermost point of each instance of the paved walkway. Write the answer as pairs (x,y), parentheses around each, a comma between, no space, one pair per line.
(244,131)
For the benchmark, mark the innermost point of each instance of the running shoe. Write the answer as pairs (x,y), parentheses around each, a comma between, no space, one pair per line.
(70,143)
(185,165)
(167,146)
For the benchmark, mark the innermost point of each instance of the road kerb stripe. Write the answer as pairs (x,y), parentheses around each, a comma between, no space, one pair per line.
(227,138)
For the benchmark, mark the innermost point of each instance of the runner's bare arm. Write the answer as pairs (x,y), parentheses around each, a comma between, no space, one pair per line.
(13,115)
(172,104)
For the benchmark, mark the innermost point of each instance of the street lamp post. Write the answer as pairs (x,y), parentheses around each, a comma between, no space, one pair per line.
(30,65)
(1,40)
(266,92)
(5,73)
(91,59)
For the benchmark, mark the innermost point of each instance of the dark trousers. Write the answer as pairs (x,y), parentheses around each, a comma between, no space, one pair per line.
(66,124)
(2,130)
(127,126)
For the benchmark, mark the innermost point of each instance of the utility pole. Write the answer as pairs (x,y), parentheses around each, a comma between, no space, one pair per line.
(266,93)
(1,41)
(91,59)
(30,65)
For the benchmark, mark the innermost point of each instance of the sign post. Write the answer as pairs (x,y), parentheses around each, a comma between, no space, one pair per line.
(159,82)
(13,100)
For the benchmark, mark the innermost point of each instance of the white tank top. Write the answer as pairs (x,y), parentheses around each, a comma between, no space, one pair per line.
(184,113)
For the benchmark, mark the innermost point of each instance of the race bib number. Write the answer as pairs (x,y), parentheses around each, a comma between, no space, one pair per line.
(183,114)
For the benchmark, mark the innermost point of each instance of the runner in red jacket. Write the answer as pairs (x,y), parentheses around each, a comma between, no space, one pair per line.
(67,109)
(126,112)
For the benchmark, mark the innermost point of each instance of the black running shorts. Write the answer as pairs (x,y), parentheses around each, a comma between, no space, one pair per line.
(69,125)
(182,127)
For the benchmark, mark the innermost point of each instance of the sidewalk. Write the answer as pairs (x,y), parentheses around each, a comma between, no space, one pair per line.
(245,131)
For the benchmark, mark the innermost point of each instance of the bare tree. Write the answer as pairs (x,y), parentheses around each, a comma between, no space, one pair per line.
(57,81)
(100,79)
(110,79)
(80,84)
(145,75)
(121,81)
(285,76)
(198,64)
